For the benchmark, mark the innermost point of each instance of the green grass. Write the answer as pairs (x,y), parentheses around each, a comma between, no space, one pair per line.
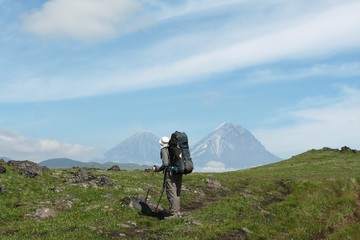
(314,195)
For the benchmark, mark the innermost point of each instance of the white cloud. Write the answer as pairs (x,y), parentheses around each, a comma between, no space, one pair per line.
(268,75)
(214,166)
(81,19)
(331,123)
(16,146)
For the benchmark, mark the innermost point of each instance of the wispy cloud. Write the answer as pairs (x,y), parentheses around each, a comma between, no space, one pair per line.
(277,74)
(16,146)
(330,122)
(82,19)
(329,31)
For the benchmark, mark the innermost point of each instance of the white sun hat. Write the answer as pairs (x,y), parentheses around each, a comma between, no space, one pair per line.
(164,141)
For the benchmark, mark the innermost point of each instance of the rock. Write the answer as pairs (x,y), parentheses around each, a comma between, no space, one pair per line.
(27,168)
(56,189)
(213,183)
(96,229)
(87,179)
(241,234)
(114,168)
(132,202)
(2,188)
(103,181)
(44,213)
(347,149)
(83,175)
(147,208)
(108,195)
(2,168)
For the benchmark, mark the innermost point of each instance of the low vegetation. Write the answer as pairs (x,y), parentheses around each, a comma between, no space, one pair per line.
(314,195)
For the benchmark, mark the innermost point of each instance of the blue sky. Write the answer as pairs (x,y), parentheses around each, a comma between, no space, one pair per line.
(79,76)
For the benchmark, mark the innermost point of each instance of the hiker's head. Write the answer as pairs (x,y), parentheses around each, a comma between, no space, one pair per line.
(164,141)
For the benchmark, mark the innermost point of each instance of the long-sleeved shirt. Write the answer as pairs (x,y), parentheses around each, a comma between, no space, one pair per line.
(164,155)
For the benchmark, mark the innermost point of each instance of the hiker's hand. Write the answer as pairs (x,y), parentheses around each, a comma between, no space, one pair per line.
(154,168)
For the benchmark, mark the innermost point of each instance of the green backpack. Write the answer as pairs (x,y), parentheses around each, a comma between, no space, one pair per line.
(180,159)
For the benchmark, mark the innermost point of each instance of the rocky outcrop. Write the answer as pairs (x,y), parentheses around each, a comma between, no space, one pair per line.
(86,178)
(343,149)
(27,168)
(2,168)
(347,149)
(114,168)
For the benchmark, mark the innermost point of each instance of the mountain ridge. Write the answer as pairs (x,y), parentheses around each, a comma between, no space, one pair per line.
(70,163)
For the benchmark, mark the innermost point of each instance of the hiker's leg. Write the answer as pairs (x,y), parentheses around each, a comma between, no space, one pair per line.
(178,182)
(170,192)
(173,188)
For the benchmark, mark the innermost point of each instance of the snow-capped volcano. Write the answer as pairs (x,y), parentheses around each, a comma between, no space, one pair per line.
(232,145)
(141,148)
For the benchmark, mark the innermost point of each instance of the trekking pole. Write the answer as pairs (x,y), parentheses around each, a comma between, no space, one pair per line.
(162,191)
(149,189)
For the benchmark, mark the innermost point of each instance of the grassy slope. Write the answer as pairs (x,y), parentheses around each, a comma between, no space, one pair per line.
(314,195)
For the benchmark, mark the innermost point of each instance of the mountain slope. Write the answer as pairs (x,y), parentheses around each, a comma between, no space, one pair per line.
(61,163)
(140,148)
(232,145)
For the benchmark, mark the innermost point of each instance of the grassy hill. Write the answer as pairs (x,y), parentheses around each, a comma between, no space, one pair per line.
(314,195)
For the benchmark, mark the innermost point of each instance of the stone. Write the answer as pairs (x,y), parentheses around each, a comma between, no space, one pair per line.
(44,213)
(86,178)
(27,168)
(2,168)
(114,168)
(213,183)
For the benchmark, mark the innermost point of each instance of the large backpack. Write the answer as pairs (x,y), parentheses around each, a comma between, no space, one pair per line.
(180,159)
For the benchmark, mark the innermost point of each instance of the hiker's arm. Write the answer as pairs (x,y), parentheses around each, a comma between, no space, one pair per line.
(164,154)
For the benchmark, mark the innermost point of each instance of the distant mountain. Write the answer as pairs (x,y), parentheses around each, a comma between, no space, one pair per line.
(140,148)
(69,163)
(233,146)
(5,159)
(62,163)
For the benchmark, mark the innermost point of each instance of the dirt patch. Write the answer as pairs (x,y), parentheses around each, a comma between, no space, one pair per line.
(323,234)
(241,234)
(211,192)
(271,200)
(355,215)
(130,230)
(194,204)
(9,232)
(284,190)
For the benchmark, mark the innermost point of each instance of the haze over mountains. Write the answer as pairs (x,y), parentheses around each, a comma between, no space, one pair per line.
(228,147)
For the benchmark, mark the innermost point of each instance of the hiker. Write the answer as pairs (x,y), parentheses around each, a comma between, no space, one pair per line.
(172,180)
